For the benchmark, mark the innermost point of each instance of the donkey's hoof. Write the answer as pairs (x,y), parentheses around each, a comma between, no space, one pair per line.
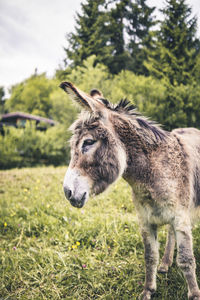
(146,295)
(163,268)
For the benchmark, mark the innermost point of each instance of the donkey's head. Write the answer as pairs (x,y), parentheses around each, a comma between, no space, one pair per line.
(97,155)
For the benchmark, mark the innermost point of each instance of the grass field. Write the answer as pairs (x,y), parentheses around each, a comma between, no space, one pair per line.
(50,250)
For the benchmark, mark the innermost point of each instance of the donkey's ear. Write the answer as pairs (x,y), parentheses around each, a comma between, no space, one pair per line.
(86,101)
(96,93)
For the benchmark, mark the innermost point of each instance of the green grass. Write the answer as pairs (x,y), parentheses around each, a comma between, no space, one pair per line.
(50,250)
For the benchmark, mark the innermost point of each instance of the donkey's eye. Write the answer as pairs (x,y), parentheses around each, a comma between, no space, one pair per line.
(86,144)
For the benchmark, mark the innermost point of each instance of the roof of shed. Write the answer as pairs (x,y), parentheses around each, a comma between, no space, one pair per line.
(17,114)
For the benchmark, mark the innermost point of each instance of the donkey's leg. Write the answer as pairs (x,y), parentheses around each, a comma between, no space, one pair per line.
(186,260)
(149,235)
(167,259)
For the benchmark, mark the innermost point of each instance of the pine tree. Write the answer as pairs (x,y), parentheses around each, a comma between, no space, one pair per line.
(90,36)
(139,22)
(120,58)
(174,53)
(173,59)
(102,29)
(100,32)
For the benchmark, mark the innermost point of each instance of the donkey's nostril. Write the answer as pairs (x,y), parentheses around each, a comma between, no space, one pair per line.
(68,193)
(84,196)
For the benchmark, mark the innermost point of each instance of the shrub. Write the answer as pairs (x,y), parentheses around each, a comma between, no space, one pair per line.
(9,156)
(28,146)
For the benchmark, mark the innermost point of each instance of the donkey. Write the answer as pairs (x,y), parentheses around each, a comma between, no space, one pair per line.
(162,168)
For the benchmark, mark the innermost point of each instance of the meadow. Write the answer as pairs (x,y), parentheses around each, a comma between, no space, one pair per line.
(50,250)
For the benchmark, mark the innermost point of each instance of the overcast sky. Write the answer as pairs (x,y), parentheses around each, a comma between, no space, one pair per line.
(32,35)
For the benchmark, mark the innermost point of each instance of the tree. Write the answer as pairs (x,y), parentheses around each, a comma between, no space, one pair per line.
(32,96)
(101,29)
(90,36)
(174,54)
(139,22)
(99,32)
(196,70)
(173,59)
(105,27)
(120,58)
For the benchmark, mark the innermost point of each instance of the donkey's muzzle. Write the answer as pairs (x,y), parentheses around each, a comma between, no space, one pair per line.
(76,187)
(75,201)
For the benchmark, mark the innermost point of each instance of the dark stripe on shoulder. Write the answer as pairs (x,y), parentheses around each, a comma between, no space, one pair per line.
(197,186)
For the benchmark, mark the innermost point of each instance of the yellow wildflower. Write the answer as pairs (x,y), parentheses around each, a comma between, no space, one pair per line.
(5,224)
(77,243)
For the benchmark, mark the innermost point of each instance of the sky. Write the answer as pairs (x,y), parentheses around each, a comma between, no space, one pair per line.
(33,34)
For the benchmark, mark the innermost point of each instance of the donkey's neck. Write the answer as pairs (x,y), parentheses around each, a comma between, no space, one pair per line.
(140,144)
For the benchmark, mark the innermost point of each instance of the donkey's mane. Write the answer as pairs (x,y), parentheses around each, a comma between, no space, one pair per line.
(130,110)
(124,106)
(150,130)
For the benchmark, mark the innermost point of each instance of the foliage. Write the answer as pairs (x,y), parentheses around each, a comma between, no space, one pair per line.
(62,108)
(173,56)
(90,35)
(32,96)
(140,21)
(8,155)
(196,70)
(115,31)
(55,145)
(50,250)
(143,91)
(120,59)
(28,147)
(173,59)
(170,106)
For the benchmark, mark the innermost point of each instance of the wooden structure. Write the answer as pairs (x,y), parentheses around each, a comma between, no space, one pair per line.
(18,119)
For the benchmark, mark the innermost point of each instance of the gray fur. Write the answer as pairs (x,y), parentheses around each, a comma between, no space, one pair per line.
(163,169)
